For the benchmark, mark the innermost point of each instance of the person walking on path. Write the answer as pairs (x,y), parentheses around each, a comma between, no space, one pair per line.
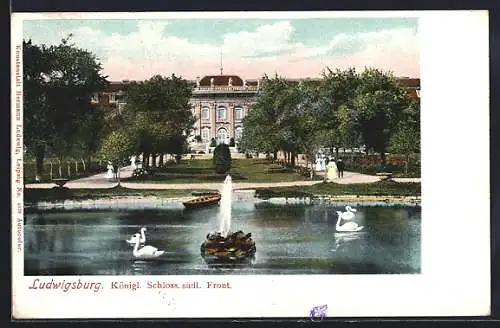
(331,170)
(340,168)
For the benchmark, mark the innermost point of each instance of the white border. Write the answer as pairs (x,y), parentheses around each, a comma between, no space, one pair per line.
(455,279)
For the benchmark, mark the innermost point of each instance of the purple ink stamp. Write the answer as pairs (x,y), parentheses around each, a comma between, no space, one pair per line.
(318,312)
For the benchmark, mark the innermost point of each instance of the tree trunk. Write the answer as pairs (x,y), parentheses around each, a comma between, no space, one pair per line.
(153,159)
(382,157)
(84,167)
(161,159)
(407,159)
(118,174)
(336,153)
(145,160)
(69,169)
(60,168)
(293,159)
(275,155)
(40,155)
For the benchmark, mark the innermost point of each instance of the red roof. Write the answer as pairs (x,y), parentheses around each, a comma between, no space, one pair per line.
(409,82)
(221,80)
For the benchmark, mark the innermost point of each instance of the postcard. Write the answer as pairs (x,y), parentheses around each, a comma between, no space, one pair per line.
(311,165)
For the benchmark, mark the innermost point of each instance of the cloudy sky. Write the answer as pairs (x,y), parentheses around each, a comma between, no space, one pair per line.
(137,49)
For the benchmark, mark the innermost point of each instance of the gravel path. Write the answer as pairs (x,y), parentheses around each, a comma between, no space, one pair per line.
(99,181)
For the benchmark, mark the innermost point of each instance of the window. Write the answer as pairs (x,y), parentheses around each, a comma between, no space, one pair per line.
(204,113)
(222,136)
(221,113)
(237,133)
(112,97)
(205,135)
(238,114)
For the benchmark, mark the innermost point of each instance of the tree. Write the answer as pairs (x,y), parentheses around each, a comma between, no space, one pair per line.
(158,114)
(336,93)
(262,131)
(406,139)
(117,147)
(58,83)
(222,159)
(379,104)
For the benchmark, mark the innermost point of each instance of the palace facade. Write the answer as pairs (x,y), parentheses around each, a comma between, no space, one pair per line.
(219,103)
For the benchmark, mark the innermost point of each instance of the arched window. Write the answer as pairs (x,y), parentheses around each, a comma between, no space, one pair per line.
(221,113)
(222,136)
(205,134)
(237,133)
(204,113)
(238,113)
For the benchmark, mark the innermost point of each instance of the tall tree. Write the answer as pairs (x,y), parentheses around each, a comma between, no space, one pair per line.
(337,91)
(58,83)
(379,103)
(406,139)
(158,113)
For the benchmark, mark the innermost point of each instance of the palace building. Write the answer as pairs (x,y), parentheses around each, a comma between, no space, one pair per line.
(219,103)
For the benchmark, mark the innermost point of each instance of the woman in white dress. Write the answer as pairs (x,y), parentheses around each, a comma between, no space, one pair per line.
(331,170)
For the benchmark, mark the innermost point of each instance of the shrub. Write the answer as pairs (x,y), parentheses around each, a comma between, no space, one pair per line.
(231,142)
(213,143)
(197,138)
(222,158)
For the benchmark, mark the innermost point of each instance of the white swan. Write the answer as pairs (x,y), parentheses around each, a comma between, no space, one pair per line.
(348,226)
(146,252)
(349,213)
(142,239)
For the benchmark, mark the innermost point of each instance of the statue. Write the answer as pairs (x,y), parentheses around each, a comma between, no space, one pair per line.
(111,172)
(318,167)
(230,82)
(132,162)
(212,81)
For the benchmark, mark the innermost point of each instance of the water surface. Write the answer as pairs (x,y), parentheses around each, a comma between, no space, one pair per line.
(290,239)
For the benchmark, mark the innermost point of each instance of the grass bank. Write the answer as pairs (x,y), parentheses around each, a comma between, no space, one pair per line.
(203,170)
(362,189)
(57,194)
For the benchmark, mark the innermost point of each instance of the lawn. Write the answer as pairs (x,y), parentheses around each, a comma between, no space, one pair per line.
(56,194)
(202,170)
(365,189)
(361,189)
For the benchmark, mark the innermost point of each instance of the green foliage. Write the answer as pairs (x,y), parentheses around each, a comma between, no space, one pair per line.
(406,139)
(380,104)
(117,147)
(157,115)
(222,159)
(58,83)
(213,143)
(231,142)
(345,109)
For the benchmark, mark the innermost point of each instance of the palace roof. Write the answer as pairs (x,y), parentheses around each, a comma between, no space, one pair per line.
(221,80)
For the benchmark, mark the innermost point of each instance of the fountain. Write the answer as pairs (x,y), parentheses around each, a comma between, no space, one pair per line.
(224,246)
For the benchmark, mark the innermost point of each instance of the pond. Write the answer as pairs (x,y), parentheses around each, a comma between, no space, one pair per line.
(295,238)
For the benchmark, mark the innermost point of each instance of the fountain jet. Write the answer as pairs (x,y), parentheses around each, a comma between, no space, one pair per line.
(224,246)
(225,207)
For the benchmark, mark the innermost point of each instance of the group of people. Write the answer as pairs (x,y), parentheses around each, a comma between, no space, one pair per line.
(334,169)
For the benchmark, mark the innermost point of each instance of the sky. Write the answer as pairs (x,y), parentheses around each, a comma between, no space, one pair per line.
(136,49)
